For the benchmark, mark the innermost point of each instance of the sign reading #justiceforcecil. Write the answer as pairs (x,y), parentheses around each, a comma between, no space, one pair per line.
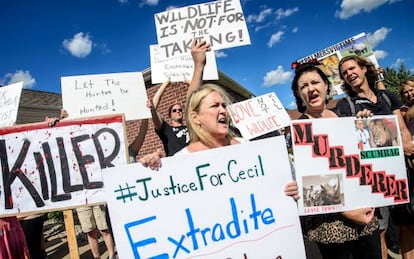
(221,203)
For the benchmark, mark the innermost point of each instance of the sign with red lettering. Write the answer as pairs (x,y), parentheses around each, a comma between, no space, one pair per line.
(260,115)
(347,163)
(47,169)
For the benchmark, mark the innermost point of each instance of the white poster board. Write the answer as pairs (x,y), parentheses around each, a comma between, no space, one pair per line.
(335,172)
(260,115)
(222,203)
(47,169)
(179,69)
(330,57)
(220,23)
(103,94)
(9,103)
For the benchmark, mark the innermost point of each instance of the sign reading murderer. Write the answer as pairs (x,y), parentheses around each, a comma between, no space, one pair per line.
(260,115)
(179,69)
(9,103)
(103,94)
(221,203)
(330,57)
(220,23)
(47,169)
(347,163)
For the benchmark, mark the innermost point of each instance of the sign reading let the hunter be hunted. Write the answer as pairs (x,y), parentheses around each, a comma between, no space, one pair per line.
(222,203)
(45,169)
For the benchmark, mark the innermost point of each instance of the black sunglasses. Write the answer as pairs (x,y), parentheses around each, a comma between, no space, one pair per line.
(177,110)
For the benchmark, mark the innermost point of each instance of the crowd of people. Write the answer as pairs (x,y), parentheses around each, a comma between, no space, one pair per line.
(352,234)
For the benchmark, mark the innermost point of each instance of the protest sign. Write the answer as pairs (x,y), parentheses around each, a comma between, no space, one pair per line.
(221,203)
(220,23)
(9,103)
(260,115)
(179,69)
(103,94)
(330,57)
(336,172)
(47,169)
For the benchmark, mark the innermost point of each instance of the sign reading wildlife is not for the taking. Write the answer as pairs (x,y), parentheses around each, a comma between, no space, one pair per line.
(220,23)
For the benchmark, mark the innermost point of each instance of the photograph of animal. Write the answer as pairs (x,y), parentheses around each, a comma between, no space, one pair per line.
(383,133)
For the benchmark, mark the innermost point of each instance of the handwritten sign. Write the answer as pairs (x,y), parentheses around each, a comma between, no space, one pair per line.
(179,69)
(335,172)
(103,94)
(9,103)
(260,115)
(220,23)
(222,203)
(330,57)
(55,168)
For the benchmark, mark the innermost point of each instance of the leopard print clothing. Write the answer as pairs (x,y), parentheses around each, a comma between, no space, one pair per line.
(334,228)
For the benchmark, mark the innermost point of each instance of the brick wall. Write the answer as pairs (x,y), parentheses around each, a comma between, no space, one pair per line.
(174,93)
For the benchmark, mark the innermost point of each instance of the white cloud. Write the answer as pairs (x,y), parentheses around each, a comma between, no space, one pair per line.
(170,7)
(380,54)
(397,63)
(123,1)
(278,76)
(280,13)
(259,17)
(103,48)
(20,75)
(295,29)
(378,36)
(149,2)
(275,38)
(292,105)
(352,7)
(79,46)
(220,54)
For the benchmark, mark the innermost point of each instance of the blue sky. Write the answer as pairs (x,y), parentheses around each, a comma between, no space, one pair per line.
(42,41)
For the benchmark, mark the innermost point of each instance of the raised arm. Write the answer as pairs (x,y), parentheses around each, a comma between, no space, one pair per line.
(136,145)
(153,104)
(198,52)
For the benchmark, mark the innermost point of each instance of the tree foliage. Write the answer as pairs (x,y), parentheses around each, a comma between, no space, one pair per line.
(395,78)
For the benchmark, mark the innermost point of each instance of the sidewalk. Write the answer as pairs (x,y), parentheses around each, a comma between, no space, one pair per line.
(57,246)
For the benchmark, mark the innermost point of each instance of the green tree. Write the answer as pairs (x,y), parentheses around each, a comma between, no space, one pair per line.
(394,78)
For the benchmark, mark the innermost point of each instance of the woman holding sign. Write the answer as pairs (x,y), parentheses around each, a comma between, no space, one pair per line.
(338,235)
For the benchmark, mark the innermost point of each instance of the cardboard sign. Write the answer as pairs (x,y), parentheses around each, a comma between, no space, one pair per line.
(9,103)
(179,69)
(103,94)
(222,203)
(336,172)
(260,115)
(47,169)
(220,23)
(330,57)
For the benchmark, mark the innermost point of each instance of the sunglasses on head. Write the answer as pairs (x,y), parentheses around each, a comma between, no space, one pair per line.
(177,110)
